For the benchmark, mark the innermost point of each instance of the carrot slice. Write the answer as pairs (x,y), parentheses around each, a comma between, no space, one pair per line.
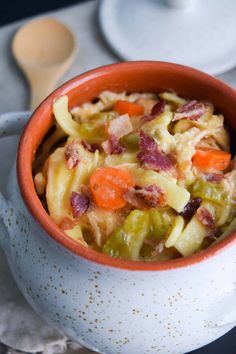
(108,185)
(133,109)
(210,159)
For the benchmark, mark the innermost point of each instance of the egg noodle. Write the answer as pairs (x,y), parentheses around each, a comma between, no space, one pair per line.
(138,176)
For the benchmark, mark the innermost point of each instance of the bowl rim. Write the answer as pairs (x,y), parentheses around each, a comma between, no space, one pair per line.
(33,204)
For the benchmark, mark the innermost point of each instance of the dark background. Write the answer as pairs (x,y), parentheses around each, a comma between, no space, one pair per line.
(12,10)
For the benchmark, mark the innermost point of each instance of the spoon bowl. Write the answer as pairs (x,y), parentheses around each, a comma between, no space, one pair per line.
(44,49)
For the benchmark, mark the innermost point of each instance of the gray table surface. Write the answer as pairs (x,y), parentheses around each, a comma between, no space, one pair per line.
(91,52)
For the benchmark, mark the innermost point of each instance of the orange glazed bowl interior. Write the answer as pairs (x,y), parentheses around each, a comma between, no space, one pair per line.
(143,76)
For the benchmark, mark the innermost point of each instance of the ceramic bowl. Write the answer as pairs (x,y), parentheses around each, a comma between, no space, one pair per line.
(110,305)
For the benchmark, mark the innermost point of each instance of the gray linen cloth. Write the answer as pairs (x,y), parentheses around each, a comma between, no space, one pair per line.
(20,326)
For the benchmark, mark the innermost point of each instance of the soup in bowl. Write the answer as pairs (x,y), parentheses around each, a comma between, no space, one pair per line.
(138,176)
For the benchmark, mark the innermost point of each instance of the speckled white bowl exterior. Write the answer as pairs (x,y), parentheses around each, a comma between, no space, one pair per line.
(108,309)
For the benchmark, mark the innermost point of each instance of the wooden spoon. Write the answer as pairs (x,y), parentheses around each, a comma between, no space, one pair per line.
(44,49)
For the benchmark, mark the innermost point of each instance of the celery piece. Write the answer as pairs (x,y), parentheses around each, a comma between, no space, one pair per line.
(223,214)
(127,241)
(159,224)
(209,191)
(130,141)
(102,117)
(176,231)
(230,228)
(190,240)
(146,252)
(94,130)
(92,133)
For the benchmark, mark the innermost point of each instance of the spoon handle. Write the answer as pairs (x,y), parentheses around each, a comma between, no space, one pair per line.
(44,80)
(40,88)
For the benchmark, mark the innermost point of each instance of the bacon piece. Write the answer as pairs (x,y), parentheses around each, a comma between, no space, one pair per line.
(191,207)
(79,204)
(141,198)
(131,198)
(213,177)
(67,224)
(147,118)
(120,126)
(158,246)
(152,195)
(156,110)
(91,147)
(192,110)
(116,147)
(112,146)
(151,156)
(72,155)
(205,217)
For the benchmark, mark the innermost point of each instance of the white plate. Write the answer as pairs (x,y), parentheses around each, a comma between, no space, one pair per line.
(203,36)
